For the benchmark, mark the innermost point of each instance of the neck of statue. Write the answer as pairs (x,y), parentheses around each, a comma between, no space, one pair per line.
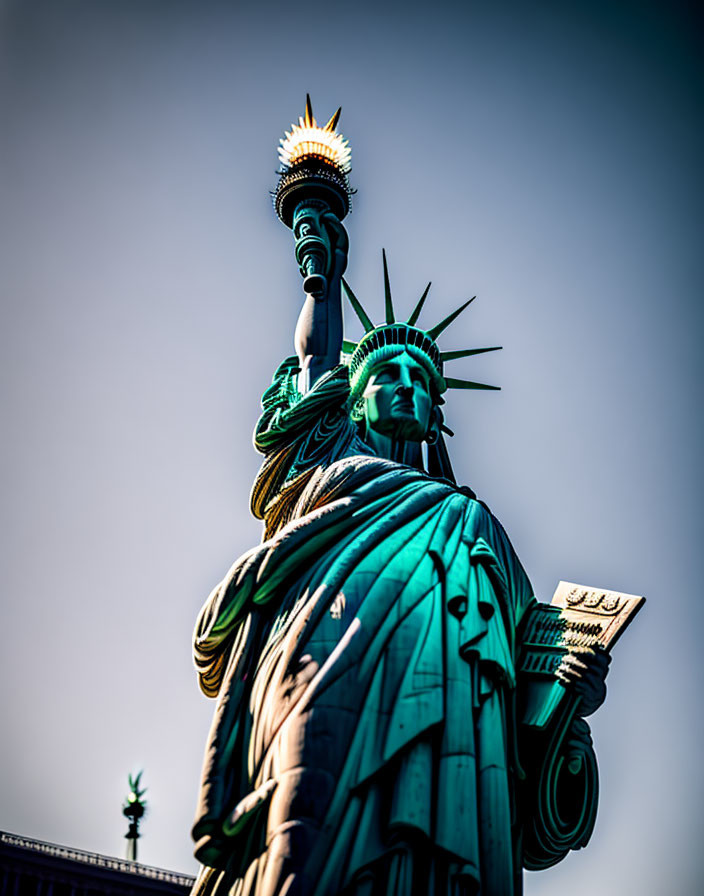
(399,450)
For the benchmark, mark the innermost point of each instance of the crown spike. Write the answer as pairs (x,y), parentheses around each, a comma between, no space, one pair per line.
(332,124)
(357,306)
(390,319)
(416,311)
(309,119)
(454,383)
(466,352)
(435,331)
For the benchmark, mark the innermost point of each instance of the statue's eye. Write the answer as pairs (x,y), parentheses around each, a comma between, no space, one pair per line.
(385,375)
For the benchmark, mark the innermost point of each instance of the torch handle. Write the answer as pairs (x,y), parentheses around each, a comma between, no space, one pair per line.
(313,249)
(314,282)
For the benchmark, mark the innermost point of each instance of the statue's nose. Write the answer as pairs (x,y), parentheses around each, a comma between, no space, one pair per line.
(405,390)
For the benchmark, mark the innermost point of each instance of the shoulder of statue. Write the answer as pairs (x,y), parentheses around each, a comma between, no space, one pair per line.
(468,492)
(286,411)
(299,434)
(477,502)
(283,390)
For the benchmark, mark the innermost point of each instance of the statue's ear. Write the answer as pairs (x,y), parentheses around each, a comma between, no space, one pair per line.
(438,459)
(433,433)
(357,411)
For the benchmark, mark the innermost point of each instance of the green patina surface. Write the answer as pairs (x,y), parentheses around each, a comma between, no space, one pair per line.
(376,730)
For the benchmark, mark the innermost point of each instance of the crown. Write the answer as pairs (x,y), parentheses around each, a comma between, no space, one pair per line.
(389,339)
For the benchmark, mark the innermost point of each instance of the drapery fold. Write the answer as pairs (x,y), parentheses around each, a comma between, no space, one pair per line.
(364,661)
(343,626)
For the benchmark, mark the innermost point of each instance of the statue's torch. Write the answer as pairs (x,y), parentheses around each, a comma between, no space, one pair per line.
(313,183)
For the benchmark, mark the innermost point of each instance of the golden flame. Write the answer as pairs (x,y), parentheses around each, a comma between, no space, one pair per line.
(308,140)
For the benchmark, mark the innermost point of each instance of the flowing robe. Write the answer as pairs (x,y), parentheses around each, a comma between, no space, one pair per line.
(364,660)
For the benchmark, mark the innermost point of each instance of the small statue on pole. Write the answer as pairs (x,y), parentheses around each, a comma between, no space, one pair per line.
(396,713)
(134,809)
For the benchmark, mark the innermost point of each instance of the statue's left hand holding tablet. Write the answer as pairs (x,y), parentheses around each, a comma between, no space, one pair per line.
(583,670)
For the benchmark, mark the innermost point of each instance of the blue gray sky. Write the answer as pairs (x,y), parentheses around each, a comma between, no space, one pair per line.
(545,156)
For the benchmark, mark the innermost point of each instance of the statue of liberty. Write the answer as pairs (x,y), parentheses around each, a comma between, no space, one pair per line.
(369,737)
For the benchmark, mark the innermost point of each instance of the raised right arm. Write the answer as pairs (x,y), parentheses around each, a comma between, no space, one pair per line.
(321,246)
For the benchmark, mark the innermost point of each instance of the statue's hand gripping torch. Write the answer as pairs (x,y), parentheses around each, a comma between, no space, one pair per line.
(321,246)
(313,249)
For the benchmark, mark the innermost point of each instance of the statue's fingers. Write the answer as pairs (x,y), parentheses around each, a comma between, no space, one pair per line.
(575,664)
(601,661)
(336,232)
(569,672)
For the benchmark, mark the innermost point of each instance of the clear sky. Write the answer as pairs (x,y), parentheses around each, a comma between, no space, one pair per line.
(545,156)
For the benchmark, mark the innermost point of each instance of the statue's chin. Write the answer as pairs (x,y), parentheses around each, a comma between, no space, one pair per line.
(396,431)
(399,428)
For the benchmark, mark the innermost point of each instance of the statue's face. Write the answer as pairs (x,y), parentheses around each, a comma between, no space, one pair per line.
(397,400)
